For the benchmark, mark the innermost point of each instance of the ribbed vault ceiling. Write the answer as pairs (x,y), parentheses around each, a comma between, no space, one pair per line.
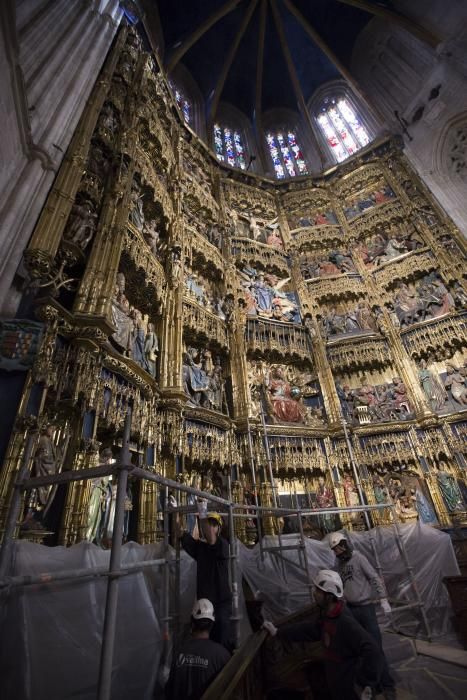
(220,42)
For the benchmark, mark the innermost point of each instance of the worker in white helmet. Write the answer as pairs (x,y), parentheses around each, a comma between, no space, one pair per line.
(352,659)
(361,586)
(199,659)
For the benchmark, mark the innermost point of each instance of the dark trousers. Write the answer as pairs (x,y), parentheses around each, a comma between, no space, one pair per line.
(366,616)
(222,629)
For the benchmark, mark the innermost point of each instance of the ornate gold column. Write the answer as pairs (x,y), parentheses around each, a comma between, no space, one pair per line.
(268,522)
(42,249)
(98,283)
(402,363)
(239,523)
(75,514)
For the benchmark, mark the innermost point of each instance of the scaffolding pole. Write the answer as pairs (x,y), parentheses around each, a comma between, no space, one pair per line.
(115,570)
(255,490)
(110,615)
(399,538)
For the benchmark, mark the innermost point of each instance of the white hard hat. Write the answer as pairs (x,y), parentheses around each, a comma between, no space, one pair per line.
(335,538)
(203,609)
(329,582)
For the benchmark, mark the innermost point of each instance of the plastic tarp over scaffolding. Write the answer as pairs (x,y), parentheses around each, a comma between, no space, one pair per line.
(430,555)
(51,633)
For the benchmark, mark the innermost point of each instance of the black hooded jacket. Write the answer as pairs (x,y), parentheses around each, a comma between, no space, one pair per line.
(351,655)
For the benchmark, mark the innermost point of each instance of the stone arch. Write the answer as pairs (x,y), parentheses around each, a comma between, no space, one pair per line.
(450,162)
(452,149)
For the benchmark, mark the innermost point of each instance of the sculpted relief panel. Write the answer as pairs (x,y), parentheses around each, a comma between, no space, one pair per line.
(285,394)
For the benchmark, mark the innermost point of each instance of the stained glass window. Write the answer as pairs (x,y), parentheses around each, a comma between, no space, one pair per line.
(183,103)
(228,146)
(286,154)
(342,128)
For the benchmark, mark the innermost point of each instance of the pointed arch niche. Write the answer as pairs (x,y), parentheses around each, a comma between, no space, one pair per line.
(447,178)
(342,123)
(232,139)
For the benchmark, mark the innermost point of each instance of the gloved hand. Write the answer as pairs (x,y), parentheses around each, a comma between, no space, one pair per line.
(270,627)
(386,606)
(173,502)
(366,693)
(202,504)
(163,674)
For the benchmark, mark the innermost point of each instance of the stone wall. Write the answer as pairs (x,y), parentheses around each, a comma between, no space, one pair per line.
(51,53)
(427,87)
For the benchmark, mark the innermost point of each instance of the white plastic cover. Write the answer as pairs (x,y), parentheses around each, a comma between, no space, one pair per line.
(50,634)
(430,554)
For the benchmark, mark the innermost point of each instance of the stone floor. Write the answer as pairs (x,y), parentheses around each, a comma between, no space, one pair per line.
(425,671)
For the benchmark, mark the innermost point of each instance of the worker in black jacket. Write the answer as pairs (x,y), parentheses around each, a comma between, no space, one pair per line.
(353,661)
(213,579)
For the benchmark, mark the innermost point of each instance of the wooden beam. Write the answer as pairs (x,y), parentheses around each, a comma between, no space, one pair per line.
(260,59)
(319,41)
(294,77)
(258,121)
(228,62)
(409,25)
(198,33)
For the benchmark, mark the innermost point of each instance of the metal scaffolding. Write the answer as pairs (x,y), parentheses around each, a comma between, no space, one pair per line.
(226,507)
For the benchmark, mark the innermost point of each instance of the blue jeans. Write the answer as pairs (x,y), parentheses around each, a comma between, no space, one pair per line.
(366,616)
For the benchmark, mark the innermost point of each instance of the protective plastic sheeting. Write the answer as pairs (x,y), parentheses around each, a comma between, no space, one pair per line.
(51,634)
(429,551)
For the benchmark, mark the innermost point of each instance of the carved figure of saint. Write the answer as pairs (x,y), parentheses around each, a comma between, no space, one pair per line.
(365,318)
(97,500)
(152,235)
(343,261)
(325,499)
(432,387)
(139,335)
(234,221)
(455,380)
(121,318)
(424,509)
(107,119)
(82,224)
(394,249)
(380,491)
(327,268)
(443,297)
(136,215)
(273,239)
(255,230)
(47,461)
(195,377)
(175,266)
(334,323)
(285,408)
(264,295)
(321,219)
(151,349)
(450,490)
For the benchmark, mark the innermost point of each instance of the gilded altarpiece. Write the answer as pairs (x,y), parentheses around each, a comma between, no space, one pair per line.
(242,321)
